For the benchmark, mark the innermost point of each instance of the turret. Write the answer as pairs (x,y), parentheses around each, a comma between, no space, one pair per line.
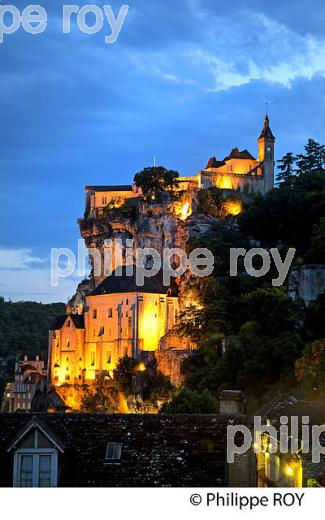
(266,154)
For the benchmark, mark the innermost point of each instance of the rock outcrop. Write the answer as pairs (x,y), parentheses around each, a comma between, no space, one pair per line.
(307,283)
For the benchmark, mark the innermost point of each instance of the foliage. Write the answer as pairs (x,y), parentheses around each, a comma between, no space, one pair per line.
(286,168)
(129,209)
(24,326)
(314,325)
(146,382)
(100,397)
(154,180)
(191,401)
(310,368)
(288,215)
(313,160)
(210,202)
(250,333)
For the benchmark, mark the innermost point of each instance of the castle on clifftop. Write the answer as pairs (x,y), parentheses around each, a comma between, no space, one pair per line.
(110,317)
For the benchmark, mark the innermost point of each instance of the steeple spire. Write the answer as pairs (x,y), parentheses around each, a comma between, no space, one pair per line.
(266,131)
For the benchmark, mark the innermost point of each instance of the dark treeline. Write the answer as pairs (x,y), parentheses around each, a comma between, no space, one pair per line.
(251,336)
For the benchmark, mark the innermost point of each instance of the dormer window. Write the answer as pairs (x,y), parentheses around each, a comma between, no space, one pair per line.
(113,453)
(35,458)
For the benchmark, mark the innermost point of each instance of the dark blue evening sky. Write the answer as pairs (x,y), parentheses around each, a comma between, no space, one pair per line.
(185,80)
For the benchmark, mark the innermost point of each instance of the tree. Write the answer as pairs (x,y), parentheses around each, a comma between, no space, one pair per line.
(313,160)
(310,368)
(100,397)
(314,324)
(191,401)
(190,322)
(142,382)
(210,202)
(317,253)
(154,180)
(286,168)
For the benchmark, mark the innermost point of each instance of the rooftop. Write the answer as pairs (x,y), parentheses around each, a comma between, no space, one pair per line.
(123,283)
(125,187)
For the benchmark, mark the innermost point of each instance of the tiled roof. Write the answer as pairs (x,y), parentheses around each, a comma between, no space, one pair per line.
(157,450)
(128,284)
(213,163)
(236,154)
(77,319)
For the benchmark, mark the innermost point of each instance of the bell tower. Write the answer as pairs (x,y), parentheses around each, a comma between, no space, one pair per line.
(266,154)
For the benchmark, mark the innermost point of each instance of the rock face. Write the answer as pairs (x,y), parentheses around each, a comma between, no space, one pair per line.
(157,226)
(114,236)
(307,283)
(172,351)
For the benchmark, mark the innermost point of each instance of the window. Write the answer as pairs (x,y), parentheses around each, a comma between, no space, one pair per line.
(92,359)
(127,302)
(104,200)
(68,343)
(95,314)
(113,452)
(109,358)
(110,313)
(35,468)
(101,331)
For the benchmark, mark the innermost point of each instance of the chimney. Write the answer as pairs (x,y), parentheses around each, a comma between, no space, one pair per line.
(232,402)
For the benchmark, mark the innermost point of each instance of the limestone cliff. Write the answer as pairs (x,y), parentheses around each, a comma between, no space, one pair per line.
(158,226)
(307,282)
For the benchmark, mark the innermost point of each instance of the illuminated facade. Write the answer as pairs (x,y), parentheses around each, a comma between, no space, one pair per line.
(240,170)
(118,319)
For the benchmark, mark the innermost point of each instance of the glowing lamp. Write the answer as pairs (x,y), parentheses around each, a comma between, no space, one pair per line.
(141,367)
(225,183)
(233,207)
(289,471)
(186,211)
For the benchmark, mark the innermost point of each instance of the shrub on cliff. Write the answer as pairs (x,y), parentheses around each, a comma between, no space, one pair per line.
(154,180)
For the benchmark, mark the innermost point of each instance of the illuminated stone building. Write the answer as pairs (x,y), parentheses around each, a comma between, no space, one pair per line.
(240,170)
(119,318)
(110,316)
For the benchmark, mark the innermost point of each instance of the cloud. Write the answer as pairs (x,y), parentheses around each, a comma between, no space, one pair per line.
(18,259)
(34,285)
(265,50)
(186,79)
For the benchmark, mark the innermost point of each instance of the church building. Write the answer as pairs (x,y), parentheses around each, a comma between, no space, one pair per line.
(118,319)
